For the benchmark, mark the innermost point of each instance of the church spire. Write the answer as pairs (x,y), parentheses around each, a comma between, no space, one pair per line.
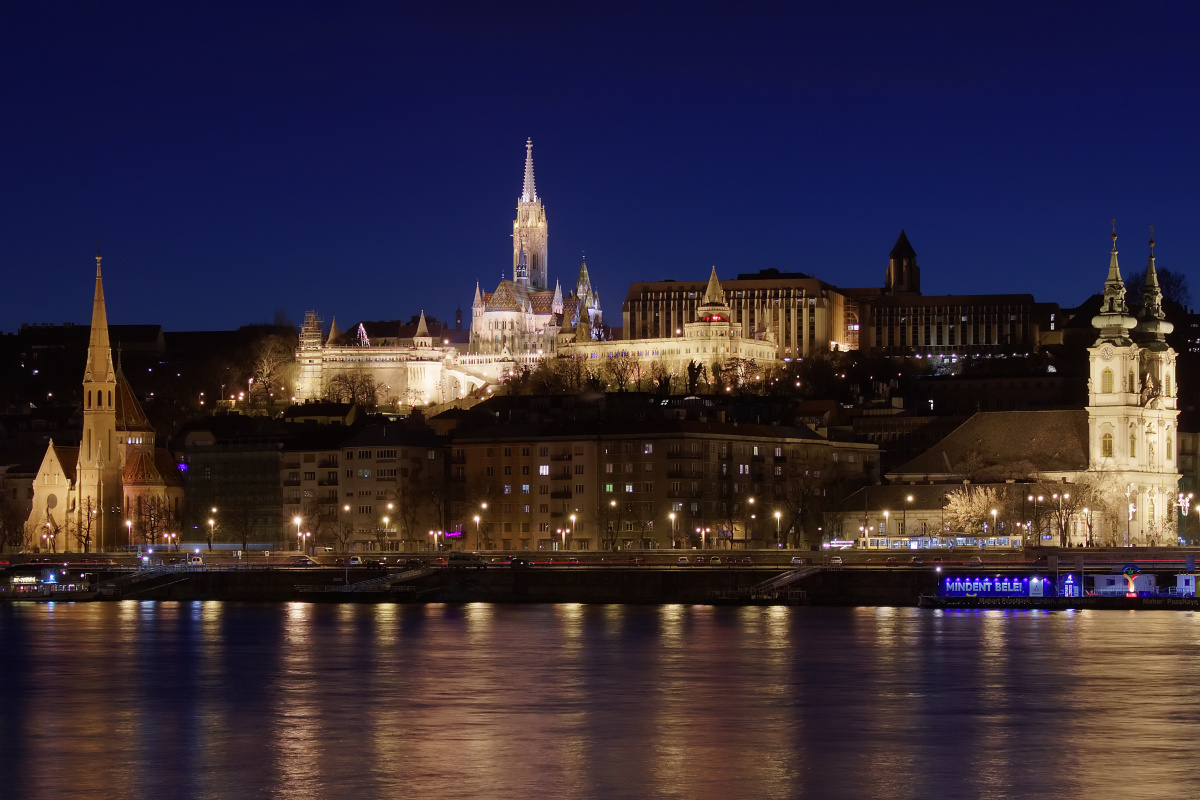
(529,192)
(422,328)
(1113,320)
(1152,324)
(99,367)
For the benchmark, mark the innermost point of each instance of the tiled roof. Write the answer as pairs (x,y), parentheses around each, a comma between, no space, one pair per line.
(1008,444)
(130,416)
(140,469)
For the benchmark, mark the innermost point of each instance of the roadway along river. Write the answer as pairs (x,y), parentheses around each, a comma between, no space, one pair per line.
(293,700)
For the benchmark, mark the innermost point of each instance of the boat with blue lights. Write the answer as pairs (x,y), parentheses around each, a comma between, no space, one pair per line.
(1130,588)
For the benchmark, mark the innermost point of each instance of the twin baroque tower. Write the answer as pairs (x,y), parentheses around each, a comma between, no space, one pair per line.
(1132,408)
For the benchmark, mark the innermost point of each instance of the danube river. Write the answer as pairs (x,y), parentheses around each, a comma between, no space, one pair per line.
(224,700)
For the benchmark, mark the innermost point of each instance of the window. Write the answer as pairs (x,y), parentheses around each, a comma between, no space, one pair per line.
(543,451)
(1167,385)
(525,470)
(1106,381)
(508,470)
(1132,383)
(608,487)
(364,473)
(543,527)
(543,509)
(524,451)
(525,510)
(543,469)
(385,454)
(608,468)
(507,489)
(386,473)
(579,488)
(364,509)
(647,448)
(364,453)
(491,451)
(490,470)
(579,469)
(431,455)
(507,451)
(779,452)
(524,488)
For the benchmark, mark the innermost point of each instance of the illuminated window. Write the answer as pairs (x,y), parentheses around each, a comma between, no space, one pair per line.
(1170,447)
(1106,445)
(1106,381)
(1132,383)
(1167,384)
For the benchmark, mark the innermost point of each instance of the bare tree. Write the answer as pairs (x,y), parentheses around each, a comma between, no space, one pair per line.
(240,518)
(620,368)
(85,525)
(12,525)
(272,370)
(970,507)
(355,386)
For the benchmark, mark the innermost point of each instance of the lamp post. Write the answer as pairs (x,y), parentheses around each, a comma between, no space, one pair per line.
(904,515)
(128,531)
(993,522)
(777,518)
(1129,491)
(1087,523)
(477,544)
(572,518)
(1185,503)
(671,517)
(886,527)
(297,521)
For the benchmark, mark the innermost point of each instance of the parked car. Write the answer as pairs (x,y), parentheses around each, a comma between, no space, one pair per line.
(374,563)
(520,563)
(414,563)
(700,561)
(715,560)
(440,561)
(891,562)
(355,561)
(680,560)
(835,561)
(801,561)
(304,561)
(916,561)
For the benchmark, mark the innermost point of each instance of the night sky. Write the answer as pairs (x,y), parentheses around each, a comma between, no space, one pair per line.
(364,160)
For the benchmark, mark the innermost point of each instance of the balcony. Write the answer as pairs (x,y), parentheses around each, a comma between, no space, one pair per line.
(291,481)
(327,482)
(563,457)
(327,463)
(685,455)
(561,494)
(560,476)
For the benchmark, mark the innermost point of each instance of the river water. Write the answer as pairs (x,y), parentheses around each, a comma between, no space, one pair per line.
(293,700)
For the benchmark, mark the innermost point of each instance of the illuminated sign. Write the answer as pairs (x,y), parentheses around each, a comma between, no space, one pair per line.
(452,534)
(995,586)
(24,579)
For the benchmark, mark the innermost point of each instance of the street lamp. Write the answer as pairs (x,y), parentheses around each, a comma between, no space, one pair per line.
(886,527)
(572,518)
(1185,503)
(777,516)
(1129,492)
(904,515)
(128,531)
(993,522)
(671,517)
(297,521)
(477,545)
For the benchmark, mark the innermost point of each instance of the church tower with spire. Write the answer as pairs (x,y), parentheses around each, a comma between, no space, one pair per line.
(530,235)
(1132,409)
(99,466)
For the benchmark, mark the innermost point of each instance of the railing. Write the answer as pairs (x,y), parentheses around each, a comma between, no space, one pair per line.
(327,482)
(291,481)
(561,457)
(563,494)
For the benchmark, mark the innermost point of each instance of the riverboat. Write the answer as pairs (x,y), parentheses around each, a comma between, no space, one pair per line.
(1128,589)
(41,582)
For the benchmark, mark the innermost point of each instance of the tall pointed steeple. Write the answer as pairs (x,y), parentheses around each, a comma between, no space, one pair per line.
(1152,320)
(529,192)
(521,275)
(334,333)
(530,234)
(99,360)
(422,328)
(1113,320)
(556,304)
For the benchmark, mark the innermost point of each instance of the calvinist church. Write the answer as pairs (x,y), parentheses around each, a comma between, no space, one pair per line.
(518,324)
(116,488)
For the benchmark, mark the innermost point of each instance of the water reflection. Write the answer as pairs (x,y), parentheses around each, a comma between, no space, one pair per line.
(576,701)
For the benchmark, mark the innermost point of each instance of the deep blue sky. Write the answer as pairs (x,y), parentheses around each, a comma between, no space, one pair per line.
(364,160)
